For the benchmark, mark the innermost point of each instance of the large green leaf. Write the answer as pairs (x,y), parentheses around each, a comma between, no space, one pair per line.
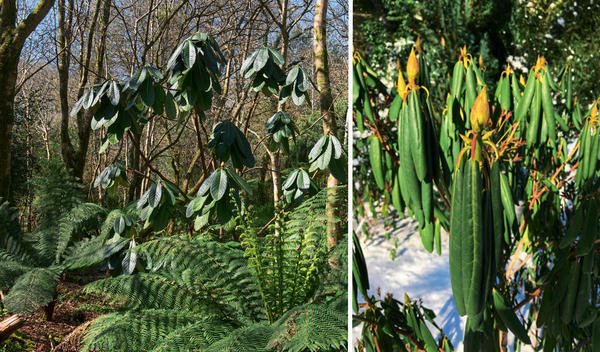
(218,188)
(261,59)
(155,195)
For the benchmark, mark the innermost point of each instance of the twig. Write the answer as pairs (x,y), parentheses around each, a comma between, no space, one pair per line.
(264,228)
(509,271)
(155,170)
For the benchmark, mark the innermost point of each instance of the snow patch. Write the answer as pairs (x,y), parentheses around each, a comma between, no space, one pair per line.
(420,274)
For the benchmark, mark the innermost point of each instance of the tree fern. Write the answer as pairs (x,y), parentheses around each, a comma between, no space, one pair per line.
(31,263)
(56,192)
(291,258)
(309,235)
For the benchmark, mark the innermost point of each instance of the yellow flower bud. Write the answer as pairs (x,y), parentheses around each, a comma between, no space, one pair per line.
(480,112)
(540,63)
(412,66)
(400,84)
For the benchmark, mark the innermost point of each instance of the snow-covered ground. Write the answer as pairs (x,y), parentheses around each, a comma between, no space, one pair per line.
(414,271)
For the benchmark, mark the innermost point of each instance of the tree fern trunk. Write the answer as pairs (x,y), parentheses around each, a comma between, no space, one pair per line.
(49,310)
(326,106)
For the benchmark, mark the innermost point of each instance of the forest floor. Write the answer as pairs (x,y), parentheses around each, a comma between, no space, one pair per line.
(414,271)
(72,311)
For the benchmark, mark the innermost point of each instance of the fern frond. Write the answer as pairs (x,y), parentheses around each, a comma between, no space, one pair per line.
(336,279)
(10,269)
(290,260)
(56,192)
(312,327)
(12,241)
(196,337)
(151,291)
(219,269)
(82,218)
(253,338)
(226,290)
(134,331)
(86,253)
(33,290)
(311,234)
(9,219)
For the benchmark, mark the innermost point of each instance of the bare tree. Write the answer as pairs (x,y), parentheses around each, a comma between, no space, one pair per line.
(12,39)
(75,157)
(326,105)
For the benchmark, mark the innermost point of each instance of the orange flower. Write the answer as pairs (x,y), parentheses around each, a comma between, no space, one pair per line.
(463,52)
(480,112)
(412,66)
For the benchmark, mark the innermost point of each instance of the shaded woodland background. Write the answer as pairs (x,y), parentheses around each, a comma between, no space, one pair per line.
(81,43)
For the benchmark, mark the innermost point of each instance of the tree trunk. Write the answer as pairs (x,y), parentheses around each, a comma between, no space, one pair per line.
(275,176)
(75,158)
(327,112)
(134,190)
(9,325)
(68,152)
(7,80)
(274,155)
(12,39)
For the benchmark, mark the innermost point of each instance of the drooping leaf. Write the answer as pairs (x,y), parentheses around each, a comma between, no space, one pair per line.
(261,60)
(218,188)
